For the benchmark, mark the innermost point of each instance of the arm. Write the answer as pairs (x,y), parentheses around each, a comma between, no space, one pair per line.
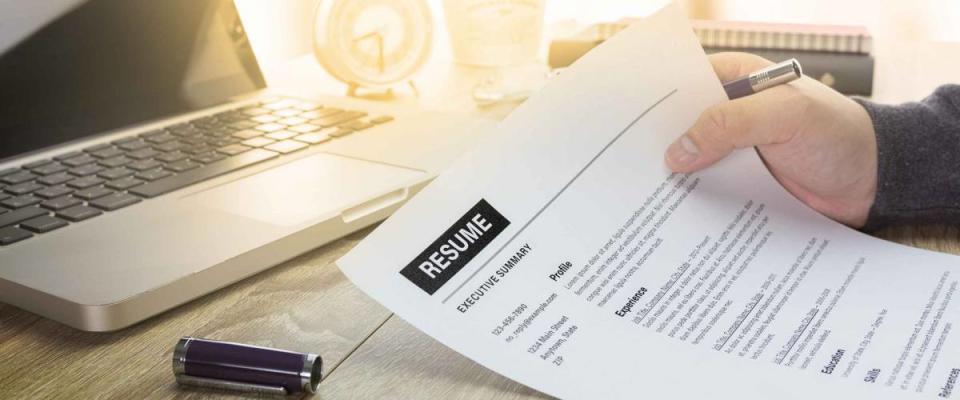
(918,160)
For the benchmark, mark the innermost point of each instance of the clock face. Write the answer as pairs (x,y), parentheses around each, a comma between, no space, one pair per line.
(372,43)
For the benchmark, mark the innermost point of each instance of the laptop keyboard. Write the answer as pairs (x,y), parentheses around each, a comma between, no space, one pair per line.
(50,194)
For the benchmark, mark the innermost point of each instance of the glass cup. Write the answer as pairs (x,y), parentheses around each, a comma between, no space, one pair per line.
(494,33)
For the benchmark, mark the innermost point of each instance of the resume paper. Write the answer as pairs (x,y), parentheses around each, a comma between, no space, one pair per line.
(563,254)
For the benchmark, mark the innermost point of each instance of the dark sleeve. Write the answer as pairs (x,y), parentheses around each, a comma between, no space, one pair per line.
(918,160)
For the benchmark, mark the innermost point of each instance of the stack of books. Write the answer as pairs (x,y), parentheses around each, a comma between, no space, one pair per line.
(838,56)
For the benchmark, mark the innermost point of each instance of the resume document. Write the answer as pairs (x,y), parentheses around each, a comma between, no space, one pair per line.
(563,254)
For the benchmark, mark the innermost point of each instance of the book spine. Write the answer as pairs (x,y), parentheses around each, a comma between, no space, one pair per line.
(775,40)
(850,74)
(847,73)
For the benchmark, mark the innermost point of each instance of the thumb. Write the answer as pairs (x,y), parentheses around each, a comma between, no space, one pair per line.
(750,121)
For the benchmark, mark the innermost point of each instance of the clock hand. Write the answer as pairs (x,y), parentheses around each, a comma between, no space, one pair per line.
(380,51)
(379,38)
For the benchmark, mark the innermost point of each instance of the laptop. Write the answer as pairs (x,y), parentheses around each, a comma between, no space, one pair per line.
(143,162)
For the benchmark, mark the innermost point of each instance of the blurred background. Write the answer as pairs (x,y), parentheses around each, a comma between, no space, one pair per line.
(281,29)
(913,46)
(907,37)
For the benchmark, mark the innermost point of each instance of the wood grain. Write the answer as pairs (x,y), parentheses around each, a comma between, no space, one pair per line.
(305,304)
(400,362)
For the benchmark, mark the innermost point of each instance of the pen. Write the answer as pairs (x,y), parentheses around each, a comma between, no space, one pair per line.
(768,77)
(252,369)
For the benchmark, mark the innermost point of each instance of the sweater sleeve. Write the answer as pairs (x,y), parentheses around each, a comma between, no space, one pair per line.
(918,160)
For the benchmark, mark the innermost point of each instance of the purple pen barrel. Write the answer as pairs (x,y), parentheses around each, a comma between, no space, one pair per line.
(738,88)
(242,367)
(776,74)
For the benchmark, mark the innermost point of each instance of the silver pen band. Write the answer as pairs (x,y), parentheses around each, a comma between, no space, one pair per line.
(775,75)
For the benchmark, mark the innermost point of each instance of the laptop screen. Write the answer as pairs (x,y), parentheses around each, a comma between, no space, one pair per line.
(106,64)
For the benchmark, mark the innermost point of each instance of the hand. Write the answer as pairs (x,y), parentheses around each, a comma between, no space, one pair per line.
(817,143)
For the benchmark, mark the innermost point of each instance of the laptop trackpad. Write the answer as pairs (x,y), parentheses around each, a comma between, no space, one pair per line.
(314,187)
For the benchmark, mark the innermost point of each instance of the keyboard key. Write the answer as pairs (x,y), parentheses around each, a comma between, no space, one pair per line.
(247,134)
(133,145)
(243,124)
(200,149)
(97,147)
(124,183)
(116,161)
(291,121)
(233,149)
(357,125)
(92,193)
(182,165)
(53,191)
(43,224)
(265,118)
(287,112)
(50,168)
(281,135)
(341,132)
(131,139)
(167,147)
(85,182)
(11,235)
(85,170)
(116,173)
(189,131)
(286,146)
(257,142)
(154,174)
(36,164)
(144,165)
(325,112)
(143,154)
(161,138)
(381,119)
(194,140)
(208,158)
(221,142)
(8,171)
(16,216)
(60,203)
(4,196)
(269,127)
(56,179)
(313,138)
(19,176)
(109,152)
(115,201)
(21,201)
(304,128)
(220,131)
(78,213)
(208,171)
(24,188)
(338,119)
(79,160)
(65,156)
(171,157)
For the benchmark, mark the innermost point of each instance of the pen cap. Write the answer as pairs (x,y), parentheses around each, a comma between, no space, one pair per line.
(240,366)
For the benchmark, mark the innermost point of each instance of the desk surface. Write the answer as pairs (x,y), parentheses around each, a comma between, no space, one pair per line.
(306,304)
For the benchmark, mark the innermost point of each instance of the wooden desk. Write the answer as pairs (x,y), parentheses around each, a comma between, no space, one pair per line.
(306,304)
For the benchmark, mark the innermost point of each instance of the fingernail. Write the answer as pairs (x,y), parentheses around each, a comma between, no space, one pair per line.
(682,152)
